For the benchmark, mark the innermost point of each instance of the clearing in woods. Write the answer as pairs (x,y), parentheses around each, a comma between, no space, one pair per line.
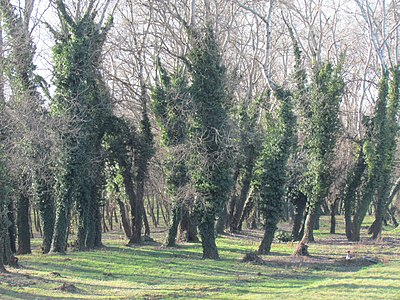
(152,271)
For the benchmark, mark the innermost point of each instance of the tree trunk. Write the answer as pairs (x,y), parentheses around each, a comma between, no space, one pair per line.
(361,211)
(188,225)
(308,235)
(265,246)
(206,228)
(125,221)
(392,212)
(145,222)
(237,221)
(97,241)
(333,218)
(47,214)
(2,244)
(63,216)
(220,224)
(12,233)
(137,221)
(173,227)
(299,203)
(383,194)
(247,209)
(24,237)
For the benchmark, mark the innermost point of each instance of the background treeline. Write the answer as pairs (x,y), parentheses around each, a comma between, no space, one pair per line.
(204,116)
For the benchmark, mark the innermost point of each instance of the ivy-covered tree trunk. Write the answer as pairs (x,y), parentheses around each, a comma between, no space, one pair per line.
(46,206)
(248,207)
(173,227)
(244,191)
(390,145)
(207,234)
(188,225)
(63,216)
(170,98)
(333,207)
(299,202)
(379,152)
(143,154)
(23,225)
(125,222)
(352,184)
(12,228)
(83,103)
(270,172)
(326,93)
(26,103)
(210,164)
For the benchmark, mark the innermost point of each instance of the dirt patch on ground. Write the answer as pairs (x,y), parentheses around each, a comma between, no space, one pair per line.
(19,280)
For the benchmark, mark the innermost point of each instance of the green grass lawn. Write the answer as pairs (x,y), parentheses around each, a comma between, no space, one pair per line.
(154,272)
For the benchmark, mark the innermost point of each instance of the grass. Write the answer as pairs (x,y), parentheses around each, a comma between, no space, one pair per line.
(154,272)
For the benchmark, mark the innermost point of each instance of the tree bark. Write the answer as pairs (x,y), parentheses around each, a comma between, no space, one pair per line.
(333,209)
(24,237)
(12,233)
(308,235)
(244,191)
(269,232)
(188,225)
(125,221)
(206,228)
(173,227)
(247,209)
(220,224)
(63,216)
(299,203)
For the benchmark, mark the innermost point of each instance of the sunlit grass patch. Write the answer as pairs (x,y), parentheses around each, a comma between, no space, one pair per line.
(152,271)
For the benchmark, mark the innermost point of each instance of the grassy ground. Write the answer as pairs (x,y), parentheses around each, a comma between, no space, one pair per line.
(154,272)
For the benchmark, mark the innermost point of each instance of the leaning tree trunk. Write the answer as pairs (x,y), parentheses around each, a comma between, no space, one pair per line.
(248,207)
(269,232)
(362,209)
(353,181)
(125,221)
(236,223)
(308,235)
(24,237)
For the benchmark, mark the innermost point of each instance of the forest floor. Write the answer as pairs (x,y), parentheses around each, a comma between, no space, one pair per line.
(151,271)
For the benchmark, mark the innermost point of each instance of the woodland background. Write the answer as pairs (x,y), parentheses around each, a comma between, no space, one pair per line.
(206,116)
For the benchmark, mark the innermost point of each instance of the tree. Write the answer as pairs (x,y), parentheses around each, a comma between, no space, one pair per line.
(83,103)
(209,164)
(378,152)
(170,99)
(270,173)
(27,112)
(322,127)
